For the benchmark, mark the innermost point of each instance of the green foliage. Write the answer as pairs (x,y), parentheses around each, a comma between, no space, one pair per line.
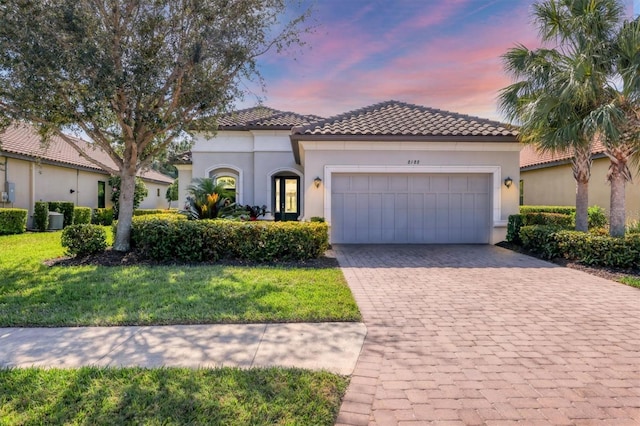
(41,216)
(513,228)
(102,217)
(597,217)
(568,210)
(207,200)
(540,239)
(64,207)
(147,212)
(168,238)
(633,227)
(552,219)
(84,239)
(600,250)
(82,215)
(317,219)
(172,192)
(13,221)
(139,194)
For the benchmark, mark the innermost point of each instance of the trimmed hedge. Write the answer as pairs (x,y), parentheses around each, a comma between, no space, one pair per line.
(540,239)
(548,209)
(84,239)
(81,215)
(552,219)
(102,217)
(167,238)
(64,207)
(13,221)
(146,212)
(41,216)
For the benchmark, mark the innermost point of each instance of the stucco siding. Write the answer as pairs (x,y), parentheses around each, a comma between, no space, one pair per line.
(556,186)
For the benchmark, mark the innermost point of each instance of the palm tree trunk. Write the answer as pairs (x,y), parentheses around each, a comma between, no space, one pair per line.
(617,215)
(581,165)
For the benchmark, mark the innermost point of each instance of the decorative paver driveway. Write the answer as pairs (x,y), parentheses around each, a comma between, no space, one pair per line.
(481,335)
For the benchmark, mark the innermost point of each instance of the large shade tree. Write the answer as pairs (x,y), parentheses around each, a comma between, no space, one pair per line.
(558,90)
(133,75)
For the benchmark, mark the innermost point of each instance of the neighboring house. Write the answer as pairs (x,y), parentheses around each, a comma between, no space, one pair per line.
(388,173)
(547,179)
(56,172)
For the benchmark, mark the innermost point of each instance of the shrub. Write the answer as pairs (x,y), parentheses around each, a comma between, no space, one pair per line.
(64,207)
(102,217)
(145,212)
(513,228)
(540,239)
(41,216)
(317,219)
(13,221)
(548,209)
(551,219)
(597,218)
(139,193)
(81,215)
(165,237)
(84,239)
(600,250)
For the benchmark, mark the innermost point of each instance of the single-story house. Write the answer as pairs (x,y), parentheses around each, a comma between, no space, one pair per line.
(547,179)
(387,173)
(31,172)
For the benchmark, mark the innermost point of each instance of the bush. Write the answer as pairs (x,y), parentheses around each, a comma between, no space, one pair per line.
(540,239)
(13,221)
(102,217)
(64,207)
(84,239)
(597,218)
(513,228)
(319,219)
(145,212)
(166,237)
(81,215)
(600,250)
(41,216)
(548,209)
(551,219)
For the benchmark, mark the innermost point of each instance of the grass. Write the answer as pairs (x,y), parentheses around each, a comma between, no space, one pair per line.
(631,281)
(33,294)
(169,396)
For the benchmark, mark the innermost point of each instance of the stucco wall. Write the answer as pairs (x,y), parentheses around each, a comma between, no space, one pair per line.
(556,186)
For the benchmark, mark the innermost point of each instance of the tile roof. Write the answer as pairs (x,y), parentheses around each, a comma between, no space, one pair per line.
(22,139)
(394,118)
(261,117)
(530,156)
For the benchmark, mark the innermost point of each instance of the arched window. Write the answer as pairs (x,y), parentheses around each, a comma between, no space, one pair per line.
(229,179)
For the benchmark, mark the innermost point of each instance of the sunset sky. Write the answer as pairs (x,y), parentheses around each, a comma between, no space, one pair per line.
(439,53)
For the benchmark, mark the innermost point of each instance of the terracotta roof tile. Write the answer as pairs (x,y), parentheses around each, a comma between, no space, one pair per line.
(530,156)
(394,118)
(264,117)
(23,139)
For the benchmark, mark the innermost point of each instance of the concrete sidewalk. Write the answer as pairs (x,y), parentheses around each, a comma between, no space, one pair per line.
(333,347)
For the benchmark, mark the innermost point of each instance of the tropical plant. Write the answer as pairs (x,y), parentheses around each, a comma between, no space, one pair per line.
(133,75)
(207,200)
(559,89)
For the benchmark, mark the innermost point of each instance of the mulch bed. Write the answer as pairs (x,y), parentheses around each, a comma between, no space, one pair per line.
(614,274)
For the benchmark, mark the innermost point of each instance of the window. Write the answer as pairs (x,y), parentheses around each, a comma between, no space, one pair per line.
(229,184)
(101,194)
(521,192)
(158,192)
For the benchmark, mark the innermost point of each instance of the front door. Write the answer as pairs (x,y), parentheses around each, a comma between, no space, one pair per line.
(286,203)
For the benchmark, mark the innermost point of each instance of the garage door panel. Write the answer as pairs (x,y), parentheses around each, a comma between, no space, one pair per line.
(411,208)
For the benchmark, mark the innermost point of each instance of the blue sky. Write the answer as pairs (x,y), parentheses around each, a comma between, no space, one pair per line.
(438,53)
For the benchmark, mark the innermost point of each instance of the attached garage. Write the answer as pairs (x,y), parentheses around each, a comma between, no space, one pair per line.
(410,208)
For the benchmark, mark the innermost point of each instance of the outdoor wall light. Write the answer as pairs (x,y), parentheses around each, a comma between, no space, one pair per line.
(71,191)
(508,182)
(317,181)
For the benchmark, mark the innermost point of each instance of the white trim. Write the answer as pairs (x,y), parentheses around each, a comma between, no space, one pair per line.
(495,171)
(270,176)
(239,183)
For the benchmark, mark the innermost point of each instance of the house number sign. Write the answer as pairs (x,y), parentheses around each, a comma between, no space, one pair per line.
(413,162)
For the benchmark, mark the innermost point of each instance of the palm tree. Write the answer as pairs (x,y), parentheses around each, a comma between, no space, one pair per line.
(558,89)
(207,200)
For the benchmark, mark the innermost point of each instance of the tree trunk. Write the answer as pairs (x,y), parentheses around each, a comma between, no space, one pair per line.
(582,205)
(617,214)
(125,212)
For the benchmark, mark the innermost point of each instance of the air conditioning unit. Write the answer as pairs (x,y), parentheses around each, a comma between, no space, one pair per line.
(4,197)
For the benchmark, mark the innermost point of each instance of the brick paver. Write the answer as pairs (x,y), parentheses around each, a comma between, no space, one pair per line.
(481,335)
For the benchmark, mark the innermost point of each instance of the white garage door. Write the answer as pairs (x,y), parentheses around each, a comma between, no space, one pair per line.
(410,208)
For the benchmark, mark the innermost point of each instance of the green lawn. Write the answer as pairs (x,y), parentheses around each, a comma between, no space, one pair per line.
(169,396)
(632,281)
(32,294)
